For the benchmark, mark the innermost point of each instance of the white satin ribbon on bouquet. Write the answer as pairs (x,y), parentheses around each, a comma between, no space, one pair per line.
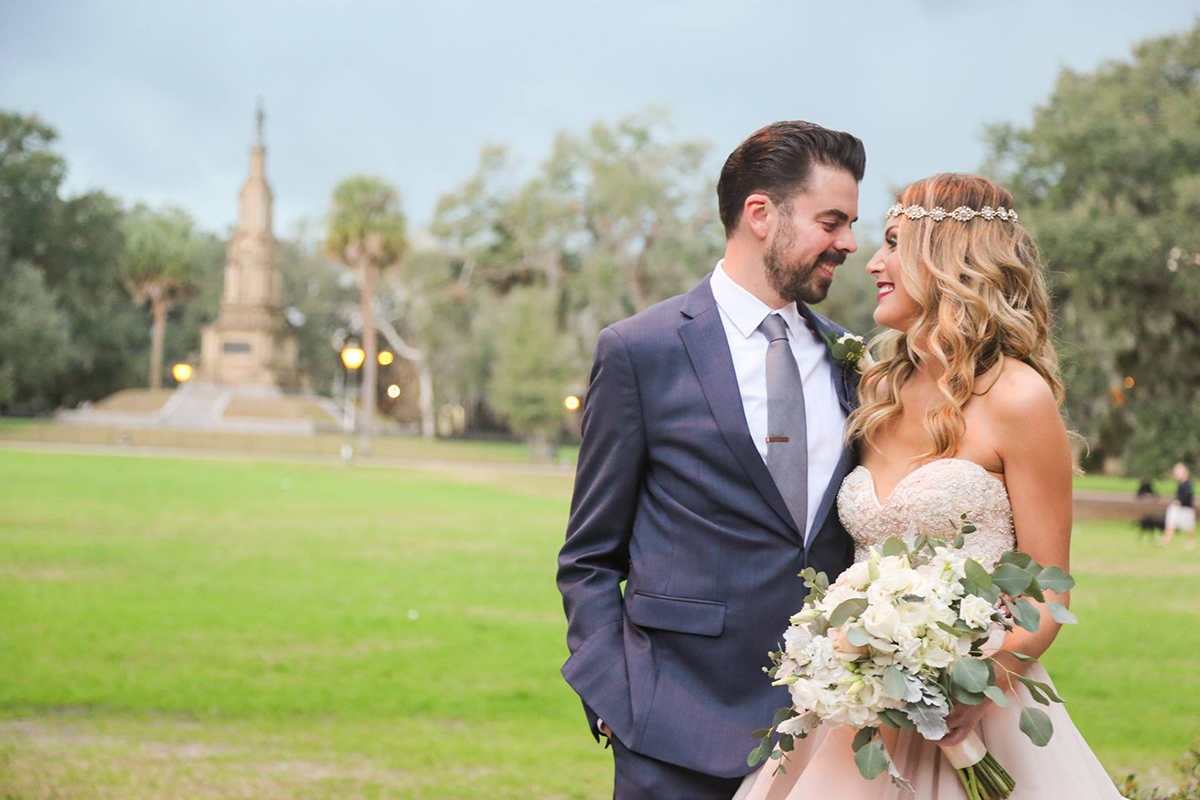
(969,752)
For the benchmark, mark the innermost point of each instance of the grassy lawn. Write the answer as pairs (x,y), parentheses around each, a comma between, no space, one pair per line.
(178,628)
(319,444)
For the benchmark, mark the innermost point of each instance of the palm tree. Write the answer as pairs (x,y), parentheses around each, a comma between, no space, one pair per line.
(160,266)
(366,233)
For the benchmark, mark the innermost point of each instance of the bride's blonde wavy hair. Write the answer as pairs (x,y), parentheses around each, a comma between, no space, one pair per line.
(982,294)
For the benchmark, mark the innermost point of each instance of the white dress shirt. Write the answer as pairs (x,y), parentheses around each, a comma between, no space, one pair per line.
(741,314)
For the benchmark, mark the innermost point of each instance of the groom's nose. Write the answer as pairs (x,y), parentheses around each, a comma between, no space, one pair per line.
(846,242)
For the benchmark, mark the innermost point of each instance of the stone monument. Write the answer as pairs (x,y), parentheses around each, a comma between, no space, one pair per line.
(250,344)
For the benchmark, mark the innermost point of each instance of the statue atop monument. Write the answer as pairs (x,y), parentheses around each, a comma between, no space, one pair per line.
(250,342)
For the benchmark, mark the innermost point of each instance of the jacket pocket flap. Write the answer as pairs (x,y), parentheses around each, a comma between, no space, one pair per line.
(680,614)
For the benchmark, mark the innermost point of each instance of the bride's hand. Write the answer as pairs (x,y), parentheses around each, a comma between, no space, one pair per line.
(962,720)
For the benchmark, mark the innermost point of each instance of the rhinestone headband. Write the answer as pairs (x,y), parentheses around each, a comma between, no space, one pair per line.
(962,213)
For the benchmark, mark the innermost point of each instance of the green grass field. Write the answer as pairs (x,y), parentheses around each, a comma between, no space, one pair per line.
(181,628)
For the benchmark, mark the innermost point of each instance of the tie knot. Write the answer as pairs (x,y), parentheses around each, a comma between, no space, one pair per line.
(774,327)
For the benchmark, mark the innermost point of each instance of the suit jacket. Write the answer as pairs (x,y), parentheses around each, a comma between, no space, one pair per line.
(673,499)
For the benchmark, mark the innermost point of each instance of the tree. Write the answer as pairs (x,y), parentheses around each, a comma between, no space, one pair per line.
(532,368)
(161,264)
(30,317)
(366,233)
(75,244)
(615,219)
(1107,177)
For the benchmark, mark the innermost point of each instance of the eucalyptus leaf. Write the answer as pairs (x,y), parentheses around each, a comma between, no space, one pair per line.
(969,698)
(1034,589)
(978,575)
(1036,724)
(894,546)
(1060,613)
(781,714)
(847,609)
(863,737)
(1027,616)
(894,683)
(1034,691)
(759,734)
(1011,579)
(1018,559)
(872,760)
(1054,579)
(819,626)
(1044,688)
(786,743)
(858,637)
(895,718)
(997,696)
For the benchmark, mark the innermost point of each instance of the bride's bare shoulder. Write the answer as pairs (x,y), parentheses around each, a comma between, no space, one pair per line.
(1020,397)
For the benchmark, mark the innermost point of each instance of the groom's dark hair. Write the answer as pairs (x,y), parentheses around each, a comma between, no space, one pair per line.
(776,161)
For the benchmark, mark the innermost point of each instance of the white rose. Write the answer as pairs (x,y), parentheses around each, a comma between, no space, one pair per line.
(858,576)
(975,611)
(882,621)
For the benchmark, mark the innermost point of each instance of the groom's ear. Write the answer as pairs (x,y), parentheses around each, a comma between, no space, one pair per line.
(759,214)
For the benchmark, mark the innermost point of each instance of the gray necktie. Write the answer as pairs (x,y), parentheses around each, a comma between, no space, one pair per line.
(787,435)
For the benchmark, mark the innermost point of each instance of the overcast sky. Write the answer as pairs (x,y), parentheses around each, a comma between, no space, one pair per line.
(154,101)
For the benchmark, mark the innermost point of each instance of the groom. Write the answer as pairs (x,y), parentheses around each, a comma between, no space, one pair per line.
(712,455)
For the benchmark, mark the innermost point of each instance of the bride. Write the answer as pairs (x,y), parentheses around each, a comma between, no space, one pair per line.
(960,413)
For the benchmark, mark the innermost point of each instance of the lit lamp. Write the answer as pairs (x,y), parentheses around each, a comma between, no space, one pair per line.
(571,403)
(386,358)
(353,357)
(182,372)
(393,391)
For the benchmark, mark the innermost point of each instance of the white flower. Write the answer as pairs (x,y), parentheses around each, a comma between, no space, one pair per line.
(795,640)
(882,621)
(799,726)
(857,576)
(975,611)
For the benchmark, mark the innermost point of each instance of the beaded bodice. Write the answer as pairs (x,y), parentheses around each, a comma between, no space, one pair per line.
(931,499)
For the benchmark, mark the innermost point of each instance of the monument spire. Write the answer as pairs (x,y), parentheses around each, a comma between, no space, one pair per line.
(259,114)
(254,211)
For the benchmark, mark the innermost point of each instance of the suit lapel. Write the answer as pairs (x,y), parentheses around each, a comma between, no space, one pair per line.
(703,335)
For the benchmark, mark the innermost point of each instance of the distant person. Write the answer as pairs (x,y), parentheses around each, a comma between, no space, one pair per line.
(1181,514)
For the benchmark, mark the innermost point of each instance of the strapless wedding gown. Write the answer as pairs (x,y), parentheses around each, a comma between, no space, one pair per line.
(930,498)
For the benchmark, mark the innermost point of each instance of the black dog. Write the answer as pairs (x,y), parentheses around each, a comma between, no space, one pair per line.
(1148,524)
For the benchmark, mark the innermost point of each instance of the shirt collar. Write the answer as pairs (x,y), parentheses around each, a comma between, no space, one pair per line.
(745,310)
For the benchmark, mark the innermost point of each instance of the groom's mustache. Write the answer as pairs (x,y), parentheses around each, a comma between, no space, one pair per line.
(833,257)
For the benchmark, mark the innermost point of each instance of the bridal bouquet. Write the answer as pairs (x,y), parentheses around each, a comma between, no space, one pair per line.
(897,641)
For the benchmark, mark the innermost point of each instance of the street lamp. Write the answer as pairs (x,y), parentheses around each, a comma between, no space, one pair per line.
(386,358)
(352,359)
(182,373)
(393,391)
(571,403)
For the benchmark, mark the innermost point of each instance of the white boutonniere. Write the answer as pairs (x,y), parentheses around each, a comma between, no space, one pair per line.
(848,351)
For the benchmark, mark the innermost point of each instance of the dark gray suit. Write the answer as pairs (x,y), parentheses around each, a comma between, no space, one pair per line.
(672,497)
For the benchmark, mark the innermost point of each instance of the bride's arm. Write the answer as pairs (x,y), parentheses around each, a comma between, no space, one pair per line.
(1037,471)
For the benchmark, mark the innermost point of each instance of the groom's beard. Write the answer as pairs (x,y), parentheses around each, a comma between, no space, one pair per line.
(797,282)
